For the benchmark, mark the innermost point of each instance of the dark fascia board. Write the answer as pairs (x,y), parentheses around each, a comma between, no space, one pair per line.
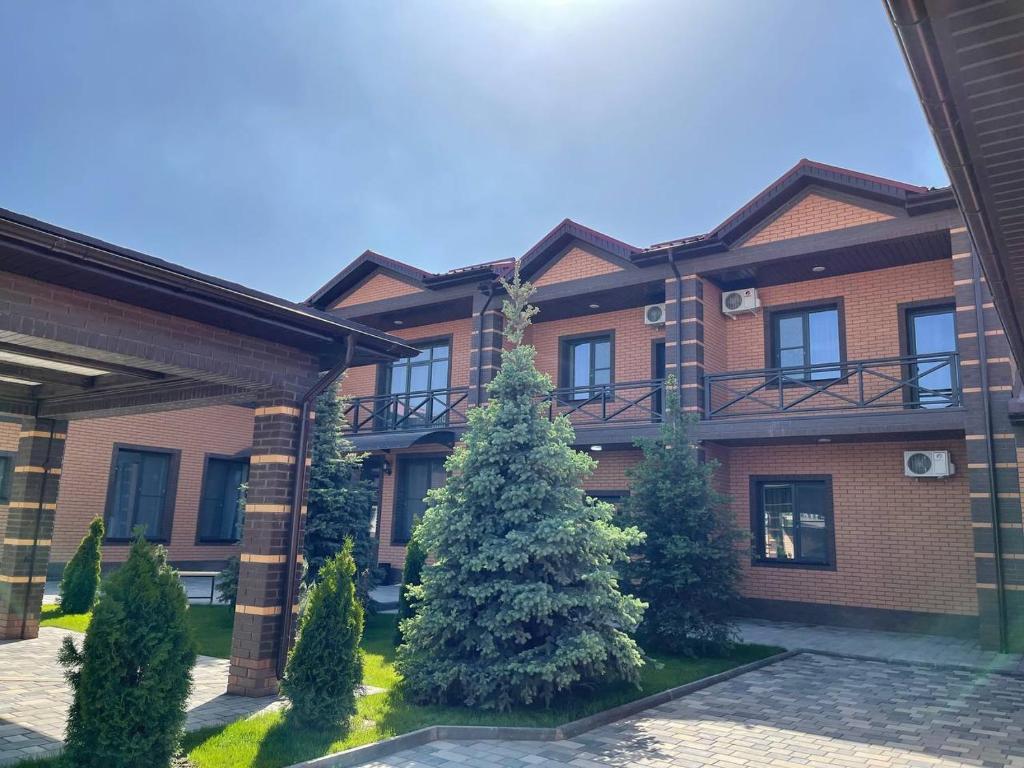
(121,264)
(363,265)
(564,233)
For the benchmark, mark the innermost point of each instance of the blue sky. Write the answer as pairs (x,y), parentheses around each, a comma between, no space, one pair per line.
(271,143)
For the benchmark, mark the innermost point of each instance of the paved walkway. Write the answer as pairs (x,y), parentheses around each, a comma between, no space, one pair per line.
(34,697)
(808,711)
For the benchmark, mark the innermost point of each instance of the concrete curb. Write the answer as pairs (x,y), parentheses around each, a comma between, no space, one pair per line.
(939,665)
(364,754)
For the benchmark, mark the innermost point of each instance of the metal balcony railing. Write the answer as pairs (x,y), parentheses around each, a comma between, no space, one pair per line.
(629,402)
(918,381)
(406,411)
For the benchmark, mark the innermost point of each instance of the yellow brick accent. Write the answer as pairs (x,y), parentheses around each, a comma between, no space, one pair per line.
(258,610)
(272,458)
(249,557)
(275,509)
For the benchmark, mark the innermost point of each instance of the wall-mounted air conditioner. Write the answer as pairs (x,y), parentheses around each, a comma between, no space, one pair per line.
(737,302)
(927,464)
(654,314)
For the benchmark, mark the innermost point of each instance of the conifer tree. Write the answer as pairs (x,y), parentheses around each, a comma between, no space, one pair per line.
(522,601)
(687,570)
(340,504)
(325,666)
(132,677)
(412,573)
(81,576)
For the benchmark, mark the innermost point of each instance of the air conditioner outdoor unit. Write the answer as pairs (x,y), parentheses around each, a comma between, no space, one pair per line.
(927,464)
(654,314)
(736,302)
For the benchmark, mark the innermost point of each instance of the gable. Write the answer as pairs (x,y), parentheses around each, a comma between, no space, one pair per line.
(575,264)
(375,288)
(810,213)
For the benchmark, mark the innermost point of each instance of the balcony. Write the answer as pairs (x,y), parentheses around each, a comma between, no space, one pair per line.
(407,411)
(930,381)
(629,402)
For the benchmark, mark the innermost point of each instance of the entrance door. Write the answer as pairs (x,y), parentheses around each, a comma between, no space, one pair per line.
(416,476)
(931,331)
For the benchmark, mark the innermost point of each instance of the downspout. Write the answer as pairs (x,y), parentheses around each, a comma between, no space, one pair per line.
(39,524)
(325,381)
(679,324)
(993,486)
(489,292)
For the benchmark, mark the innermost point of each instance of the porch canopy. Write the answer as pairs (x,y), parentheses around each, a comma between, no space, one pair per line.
(967,61)
(88,329)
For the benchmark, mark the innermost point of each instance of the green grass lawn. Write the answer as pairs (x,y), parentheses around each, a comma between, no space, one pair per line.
(212,625)
(272,741)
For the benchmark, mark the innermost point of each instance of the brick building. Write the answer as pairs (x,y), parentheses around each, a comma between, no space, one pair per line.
(862,334)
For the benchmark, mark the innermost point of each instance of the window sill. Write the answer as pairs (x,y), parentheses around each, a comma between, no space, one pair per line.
(792,565)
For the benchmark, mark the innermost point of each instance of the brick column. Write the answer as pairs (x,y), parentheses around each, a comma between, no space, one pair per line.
(26,537)
(684,339)
(970,328)
(263,570)
(487,341)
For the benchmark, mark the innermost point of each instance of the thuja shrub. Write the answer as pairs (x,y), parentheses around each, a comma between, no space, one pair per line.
(81,577)
(415,559)
(325,666)
(132,677)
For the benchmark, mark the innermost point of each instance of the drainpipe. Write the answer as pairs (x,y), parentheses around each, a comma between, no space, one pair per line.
(679,323)
(997,543)
(325,381)
(488,290)
(38,527)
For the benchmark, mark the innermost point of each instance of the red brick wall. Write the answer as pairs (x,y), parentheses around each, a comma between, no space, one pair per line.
(86,473)
(376,287)
(870,302)
(576,264)
(362,381)
(901,543)
(813,212)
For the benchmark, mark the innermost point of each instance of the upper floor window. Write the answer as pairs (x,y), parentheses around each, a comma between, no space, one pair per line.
(409,379)
(220,509)
(792,520)
(141,493)
(6,468)
(806,337)
(931,331)
(586,364)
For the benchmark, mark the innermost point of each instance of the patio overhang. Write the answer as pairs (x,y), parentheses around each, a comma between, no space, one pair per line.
(967,62)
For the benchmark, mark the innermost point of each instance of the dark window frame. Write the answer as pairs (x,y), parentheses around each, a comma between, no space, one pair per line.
(566,367)
(8,475)
(771,317)
(603,495)
(657,402)
(399,462)
(757,560)
(384,369)
(170,499)
(207,458)
(905,311)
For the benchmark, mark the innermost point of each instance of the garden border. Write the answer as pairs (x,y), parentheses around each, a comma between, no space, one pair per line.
(355,756)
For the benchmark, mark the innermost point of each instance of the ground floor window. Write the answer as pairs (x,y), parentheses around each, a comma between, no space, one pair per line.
(141,493)
(615,498)
(415,476)
(6,468)
(792,521)
(223,499)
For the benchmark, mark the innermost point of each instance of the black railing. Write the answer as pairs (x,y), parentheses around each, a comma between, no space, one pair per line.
(630,402)
(407,411)
(920,381)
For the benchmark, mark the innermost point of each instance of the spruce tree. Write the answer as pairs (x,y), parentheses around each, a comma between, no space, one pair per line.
(339,504)
(687,570)
(132,677)
(81,576)
(412,573)
(522,601)
(325,666)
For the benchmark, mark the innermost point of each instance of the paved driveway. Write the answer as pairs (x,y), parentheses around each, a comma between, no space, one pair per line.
(808,711)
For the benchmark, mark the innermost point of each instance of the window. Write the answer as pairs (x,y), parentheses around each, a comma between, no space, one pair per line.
(141,493)
(615,498)
(586,365)
(221,505)
(6,468)
(411,378)
(416,476)
(931,331)
(793,521)
(805,337)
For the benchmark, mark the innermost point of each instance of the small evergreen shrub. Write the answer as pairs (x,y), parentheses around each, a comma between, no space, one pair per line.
(227,581)
(523,602)
(81,576)
(687,569)
(326,665)
(132,677)
(415,559)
